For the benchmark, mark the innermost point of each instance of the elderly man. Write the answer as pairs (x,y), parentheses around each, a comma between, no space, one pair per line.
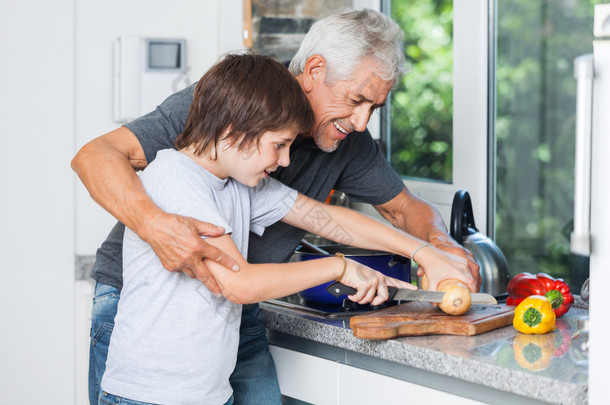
(346,65)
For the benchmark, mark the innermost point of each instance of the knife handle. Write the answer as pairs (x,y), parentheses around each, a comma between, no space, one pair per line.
(338,289)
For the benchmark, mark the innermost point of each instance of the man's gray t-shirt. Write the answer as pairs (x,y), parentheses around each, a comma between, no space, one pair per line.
(357,168)
(173,341)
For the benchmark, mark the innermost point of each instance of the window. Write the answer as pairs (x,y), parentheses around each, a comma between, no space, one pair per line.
(435,128)
(502,125)
(537,42)
(420,142)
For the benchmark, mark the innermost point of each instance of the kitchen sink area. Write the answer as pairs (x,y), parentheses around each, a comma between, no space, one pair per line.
(502,366)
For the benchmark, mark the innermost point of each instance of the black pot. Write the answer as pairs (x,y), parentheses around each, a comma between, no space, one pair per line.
(391,265)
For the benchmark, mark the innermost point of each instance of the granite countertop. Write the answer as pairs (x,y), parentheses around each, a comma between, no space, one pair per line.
(494,359)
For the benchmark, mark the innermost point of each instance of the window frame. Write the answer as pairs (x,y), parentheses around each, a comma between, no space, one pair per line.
(472,115)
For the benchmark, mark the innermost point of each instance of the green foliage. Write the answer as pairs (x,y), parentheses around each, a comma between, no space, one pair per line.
(421,106)
(537,42)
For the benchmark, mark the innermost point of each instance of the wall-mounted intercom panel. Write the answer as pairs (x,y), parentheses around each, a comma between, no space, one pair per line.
(146,71)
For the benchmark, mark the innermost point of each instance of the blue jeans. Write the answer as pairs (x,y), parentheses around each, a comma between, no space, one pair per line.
(105,301)
(254,380)
(109,399)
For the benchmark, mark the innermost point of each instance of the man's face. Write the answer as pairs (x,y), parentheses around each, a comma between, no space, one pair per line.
(347,105)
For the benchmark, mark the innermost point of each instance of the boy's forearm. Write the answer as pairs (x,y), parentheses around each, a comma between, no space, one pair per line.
(362,231)
(259,282)
(349,227)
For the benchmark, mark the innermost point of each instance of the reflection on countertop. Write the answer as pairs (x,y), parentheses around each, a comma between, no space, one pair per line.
(546,368)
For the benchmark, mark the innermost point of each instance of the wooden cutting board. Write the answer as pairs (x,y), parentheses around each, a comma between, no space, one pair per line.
(422,318)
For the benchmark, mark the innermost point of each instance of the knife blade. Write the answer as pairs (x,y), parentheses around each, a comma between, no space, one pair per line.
(402,294)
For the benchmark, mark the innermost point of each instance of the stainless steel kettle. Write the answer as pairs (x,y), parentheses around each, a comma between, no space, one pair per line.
(489,257)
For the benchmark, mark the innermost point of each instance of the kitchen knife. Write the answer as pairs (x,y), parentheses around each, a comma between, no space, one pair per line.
(403,294)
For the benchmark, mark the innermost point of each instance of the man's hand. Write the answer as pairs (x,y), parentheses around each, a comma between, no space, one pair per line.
(421,219)
(449,245)
(107,167)
(177,242)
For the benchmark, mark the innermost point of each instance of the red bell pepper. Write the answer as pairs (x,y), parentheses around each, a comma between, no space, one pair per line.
(555,290)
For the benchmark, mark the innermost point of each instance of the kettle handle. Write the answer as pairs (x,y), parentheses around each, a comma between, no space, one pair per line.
(462,217)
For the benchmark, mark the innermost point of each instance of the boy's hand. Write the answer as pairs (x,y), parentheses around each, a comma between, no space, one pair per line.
(177,241)
(449,245)
(372,285)
(439,265)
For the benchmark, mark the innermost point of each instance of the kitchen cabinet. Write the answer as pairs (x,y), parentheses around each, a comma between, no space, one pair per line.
(358,386)
(319,381)
(304,377)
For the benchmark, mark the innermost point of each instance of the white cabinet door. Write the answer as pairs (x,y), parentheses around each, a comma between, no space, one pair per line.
(357,386)
(319,381)
(304,377)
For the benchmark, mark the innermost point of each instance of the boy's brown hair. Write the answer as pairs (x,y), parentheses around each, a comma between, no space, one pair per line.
(248,94)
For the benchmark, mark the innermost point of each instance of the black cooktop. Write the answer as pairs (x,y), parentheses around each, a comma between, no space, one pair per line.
(346,309)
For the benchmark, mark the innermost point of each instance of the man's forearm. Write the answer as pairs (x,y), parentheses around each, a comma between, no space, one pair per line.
(423,221)
(107,167)
(109,174)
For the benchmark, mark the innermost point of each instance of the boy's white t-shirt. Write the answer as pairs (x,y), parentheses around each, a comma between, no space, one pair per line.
(173,341)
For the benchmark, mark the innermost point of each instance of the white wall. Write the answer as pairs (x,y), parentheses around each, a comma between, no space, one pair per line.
(37,203)
(55,95)
(210,27)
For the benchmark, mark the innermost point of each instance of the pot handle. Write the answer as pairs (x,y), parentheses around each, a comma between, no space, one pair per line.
(311,248)
(398,259)
(462,217)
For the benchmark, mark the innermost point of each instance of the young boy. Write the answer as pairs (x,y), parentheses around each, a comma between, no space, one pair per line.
(175,342)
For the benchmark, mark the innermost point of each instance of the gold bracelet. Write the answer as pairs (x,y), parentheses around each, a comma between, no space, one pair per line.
(342,256)
(416,250)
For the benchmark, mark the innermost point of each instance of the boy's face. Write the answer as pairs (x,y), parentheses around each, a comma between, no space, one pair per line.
(256,163)
(347,105)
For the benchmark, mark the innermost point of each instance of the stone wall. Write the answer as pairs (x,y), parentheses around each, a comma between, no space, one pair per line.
(278,26)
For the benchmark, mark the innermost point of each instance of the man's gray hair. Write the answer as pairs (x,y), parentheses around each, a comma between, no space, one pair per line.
(347,38)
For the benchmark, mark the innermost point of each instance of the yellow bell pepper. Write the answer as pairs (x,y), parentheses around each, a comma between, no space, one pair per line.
(534,315)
